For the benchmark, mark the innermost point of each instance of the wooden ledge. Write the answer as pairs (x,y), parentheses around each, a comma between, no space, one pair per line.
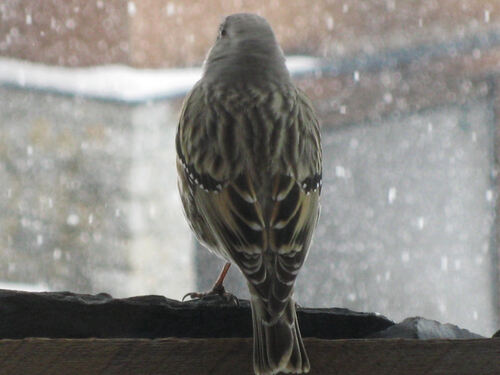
(233,356)
(154,335)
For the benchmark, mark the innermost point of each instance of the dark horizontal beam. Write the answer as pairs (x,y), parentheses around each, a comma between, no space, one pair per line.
(234,356)
(70,315)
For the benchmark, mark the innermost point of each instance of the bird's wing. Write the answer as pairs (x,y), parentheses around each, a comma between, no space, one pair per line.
(267,234)
(295,210)
(211,179)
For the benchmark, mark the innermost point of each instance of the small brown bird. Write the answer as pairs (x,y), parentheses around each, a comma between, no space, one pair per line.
(249,165)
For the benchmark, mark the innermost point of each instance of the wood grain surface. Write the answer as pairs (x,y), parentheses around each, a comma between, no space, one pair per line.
(233,356)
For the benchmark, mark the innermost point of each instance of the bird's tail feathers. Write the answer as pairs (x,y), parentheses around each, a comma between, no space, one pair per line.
(278,344)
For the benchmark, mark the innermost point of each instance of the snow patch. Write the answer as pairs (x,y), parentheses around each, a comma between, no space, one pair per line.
(39,287)
(116,82)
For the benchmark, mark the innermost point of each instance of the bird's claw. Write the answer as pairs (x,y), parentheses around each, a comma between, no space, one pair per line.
(232,299)
(216,291)
(193,295)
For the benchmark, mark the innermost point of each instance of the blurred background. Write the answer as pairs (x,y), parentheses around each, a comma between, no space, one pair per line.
(407,93)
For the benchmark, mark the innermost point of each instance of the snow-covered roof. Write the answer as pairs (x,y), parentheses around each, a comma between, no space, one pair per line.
(116,82)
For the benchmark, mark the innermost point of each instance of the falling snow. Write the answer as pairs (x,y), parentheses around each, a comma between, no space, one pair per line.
(73,220)
(131,8)
(408,206)
(391,195)
(486,16)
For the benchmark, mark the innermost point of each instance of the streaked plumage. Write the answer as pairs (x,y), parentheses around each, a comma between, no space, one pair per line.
(249,164)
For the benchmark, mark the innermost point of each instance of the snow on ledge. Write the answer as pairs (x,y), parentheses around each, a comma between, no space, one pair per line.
(25,287)
(116,82)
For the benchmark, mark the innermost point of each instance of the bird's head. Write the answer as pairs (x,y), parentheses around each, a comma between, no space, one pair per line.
(245,45)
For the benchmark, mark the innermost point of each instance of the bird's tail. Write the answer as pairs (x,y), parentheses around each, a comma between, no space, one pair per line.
(277,344)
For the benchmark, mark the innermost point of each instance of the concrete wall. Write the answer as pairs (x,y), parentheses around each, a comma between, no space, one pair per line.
(88,199)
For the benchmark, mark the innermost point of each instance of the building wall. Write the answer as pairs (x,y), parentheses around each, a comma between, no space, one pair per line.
(89,199)
(167,33)
(407,218)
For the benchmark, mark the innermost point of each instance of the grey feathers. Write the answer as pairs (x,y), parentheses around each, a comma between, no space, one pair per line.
(245,49)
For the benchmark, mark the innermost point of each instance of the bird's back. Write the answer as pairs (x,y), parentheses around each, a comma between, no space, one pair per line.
(249,162)
(260,146)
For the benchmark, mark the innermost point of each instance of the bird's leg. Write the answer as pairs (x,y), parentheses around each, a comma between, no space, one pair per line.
(218,288)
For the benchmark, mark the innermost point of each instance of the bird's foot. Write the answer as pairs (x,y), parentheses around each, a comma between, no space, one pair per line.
(216,293)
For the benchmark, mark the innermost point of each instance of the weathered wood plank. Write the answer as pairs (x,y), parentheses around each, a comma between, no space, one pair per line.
(233,356)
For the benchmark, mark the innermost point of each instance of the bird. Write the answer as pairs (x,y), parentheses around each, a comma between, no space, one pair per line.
(249,168)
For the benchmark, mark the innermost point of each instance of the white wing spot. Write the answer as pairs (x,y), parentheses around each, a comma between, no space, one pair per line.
(255,226)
